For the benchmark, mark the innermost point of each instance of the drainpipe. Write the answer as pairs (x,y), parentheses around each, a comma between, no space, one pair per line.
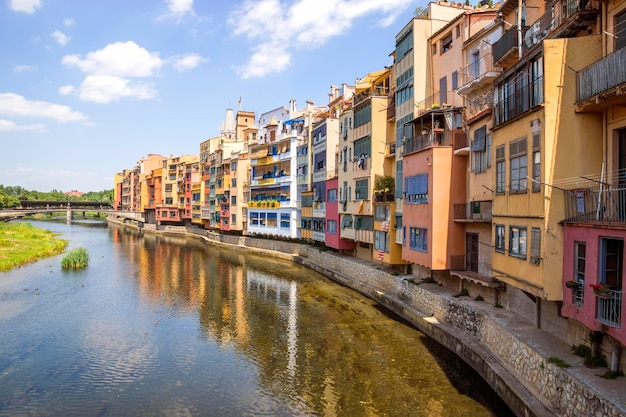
(520,7)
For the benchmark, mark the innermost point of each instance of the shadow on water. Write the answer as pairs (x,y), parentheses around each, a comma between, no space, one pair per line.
(463,377)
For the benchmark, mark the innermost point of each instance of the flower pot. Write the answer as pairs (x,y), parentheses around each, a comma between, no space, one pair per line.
(571,284)
(602,294)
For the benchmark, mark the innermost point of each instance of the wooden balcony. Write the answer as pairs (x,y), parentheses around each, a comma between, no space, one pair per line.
(602,83)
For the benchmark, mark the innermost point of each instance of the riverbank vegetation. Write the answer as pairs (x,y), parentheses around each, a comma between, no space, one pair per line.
(10,196)
(76,259)
(22,243)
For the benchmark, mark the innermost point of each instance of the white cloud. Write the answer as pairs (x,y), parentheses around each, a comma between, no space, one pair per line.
(110,70)
(24,68)
(11,126)
(15,105)
(108,88)
(186,62)
(66,90)
(68,21)
(26,6)
(60,37)
(122,59)
(177,9)
(277,28)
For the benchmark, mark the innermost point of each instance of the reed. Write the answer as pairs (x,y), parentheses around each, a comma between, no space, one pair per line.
(75,259)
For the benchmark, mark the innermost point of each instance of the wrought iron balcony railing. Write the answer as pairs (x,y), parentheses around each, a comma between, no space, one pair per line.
(595,204)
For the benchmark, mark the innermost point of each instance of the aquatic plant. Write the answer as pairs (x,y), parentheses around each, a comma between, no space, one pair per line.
(77,258)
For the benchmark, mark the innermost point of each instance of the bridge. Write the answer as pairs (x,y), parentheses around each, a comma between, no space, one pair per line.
(31,207)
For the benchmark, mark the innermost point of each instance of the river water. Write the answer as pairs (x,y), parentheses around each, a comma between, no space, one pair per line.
(169,326)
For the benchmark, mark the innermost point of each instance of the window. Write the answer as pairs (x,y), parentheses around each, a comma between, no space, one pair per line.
(443,90)
(363,147)
(479,153)
(500,170)
(620,27)
(331,227)
(580,260)
(332,195)
(363,114)
(284,221)
(535,245)
(519,165)
(418,239)
(169,201)
(381,213)
(233,182)
(536,162)
(233,166)
(404,44)
(455,80)
(517,241)
(446,43)
(475,68)
(381,241)
(361,189)
(168,188)
(254,218)
(499,232)
(611,262)
(233,219)
(272,220)
(416,189)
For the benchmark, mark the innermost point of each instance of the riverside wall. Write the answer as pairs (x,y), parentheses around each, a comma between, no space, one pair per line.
(518,373)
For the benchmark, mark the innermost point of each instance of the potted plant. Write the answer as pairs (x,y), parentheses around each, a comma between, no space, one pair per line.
(384,186)
(601,290)
(571,284)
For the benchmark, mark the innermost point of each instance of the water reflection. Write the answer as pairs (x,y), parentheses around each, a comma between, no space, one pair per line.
(309,347)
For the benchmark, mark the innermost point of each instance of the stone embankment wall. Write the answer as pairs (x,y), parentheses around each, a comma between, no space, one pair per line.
(521,376)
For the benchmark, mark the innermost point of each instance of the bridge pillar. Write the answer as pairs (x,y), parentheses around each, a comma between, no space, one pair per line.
(69,215)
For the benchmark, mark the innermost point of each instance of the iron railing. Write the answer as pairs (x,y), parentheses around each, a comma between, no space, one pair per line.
(610,309)
(596,204)
(527,94)
(480,211)
(478,68)
(427,140)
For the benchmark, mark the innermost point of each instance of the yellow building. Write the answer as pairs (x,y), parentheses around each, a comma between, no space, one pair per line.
(538,140)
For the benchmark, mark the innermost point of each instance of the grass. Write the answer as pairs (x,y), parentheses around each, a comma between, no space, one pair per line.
(558,362)
(21,243)
(463,293)
(76,259)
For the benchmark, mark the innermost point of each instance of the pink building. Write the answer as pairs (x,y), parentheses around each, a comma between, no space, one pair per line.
(333,238)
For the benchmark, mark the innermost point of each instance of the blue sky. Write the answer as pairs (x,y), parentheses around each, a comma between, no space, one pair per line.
(89,87)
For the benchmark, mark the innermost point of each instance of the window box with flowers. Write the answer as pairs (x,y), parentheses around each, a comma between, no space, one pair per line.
(601,290)
(571,284)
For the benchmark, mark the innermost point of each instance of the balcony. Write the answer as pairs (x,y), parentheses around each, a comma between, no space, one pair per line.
(439,100)
(478,107)
(610,309)
(478,75)
(506,49)
(595,205)
(427,140)
(602,83)
(377,92)
(473,212)
(471,270)
(572,16)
